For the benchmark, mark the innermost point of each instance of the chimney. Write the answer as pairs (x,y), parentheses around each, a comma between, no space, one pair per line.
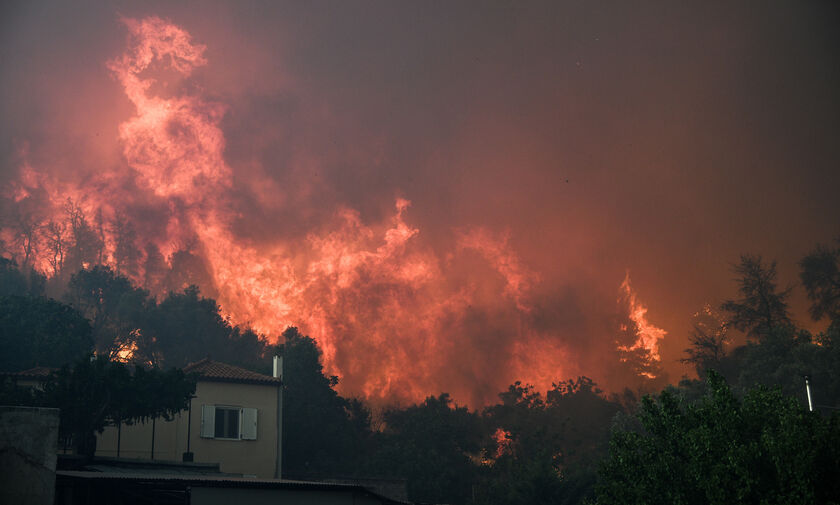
(278,374)
(278,367)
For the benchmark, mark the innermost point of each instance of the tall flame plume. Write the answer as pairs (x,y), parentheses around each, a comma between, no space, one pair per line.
(369,293)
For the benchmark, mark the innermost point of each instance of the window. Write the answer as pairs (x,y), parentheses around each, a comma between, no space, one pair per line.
(228,423)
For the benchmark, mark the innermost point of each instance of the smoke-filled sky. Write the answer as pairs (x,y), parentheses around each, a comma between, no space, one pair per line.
(449,196)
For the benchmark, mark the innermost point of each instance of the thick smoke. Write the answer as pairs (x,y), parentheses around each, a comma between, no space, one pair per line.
(446,201)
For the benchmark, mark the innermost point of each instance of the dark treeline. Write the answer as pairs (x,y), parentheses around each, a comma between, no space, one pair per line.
(725,439)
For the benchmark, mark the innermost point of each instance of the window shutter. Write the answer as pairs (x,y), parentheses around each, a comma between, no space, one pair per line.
(208,421)
(249,424)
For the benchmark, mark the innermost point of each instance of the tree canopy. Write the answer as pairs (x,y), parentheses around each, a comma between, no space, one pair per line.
(96,392)
(761,306)
(186,327)
(430,444)
(764,448)
(529,447)
(709,340)
(36,331)
(544,449)
(115,308)
(820,275)
(323,432)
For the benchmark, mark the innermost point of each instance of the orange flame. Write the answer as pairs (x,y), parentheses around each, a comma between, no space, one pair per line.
(648,335)
(362,290)
(504,442)
(355,281)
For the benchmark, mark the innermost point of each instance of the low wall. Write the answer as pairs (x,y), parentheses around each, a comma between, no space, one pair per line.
(28,443)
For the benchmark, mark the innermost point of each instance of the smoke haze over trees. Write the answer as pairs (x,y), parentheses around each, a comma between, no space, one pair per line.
(495,227)
(545,150)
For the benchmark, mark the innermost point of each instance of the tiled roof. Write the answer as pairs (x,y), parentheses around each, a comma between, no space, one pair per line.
(39,372)
(222,372)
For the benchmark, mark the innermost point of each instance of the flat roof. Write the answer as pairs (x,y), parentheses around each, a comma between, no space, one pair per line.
(217,481)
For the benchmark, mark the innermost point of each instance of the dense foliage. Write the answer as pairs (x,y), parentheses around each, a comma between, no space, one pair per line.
(36,331)
(96,392)
(324,433)
(742,436)
(764,448)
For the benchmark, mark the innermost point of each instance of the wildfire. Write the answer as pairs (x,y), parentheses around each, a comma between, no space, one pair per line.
(647,335)
(504,442)
(388,311)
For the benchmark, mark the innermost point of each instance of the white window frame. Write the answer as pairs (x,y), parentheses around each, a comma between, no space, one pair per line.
(247,422)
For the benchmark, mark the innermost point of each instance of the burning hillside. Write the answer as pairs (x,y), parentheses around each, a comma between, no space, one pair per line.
(397,315)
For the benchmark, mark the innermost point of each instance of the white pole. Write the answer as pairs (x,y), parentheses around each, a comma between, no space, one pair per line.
(278,373)
(808,390)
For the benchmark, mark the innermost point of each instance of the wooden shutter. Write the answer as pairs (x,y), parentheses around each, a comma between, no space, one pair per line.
(249,424)
(208,421)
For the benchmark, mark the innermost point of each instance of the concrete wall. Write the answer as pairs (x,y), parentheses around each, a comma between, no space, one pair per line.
(135,441)
(28,440)
(249,457)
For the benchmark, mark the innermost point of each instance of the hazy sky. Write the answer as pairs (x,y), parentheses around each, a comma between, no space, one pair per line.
(659,138)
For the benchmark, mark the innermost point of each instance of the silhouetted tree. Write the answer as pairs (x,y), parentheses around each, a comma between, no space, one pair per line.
(546,451)
(324,433)
(12,280)
(529,428)
(116,309)
(189,269)
(96,393)
(36,331)
(246,348)
(785,356)
(709,339)
(761,306)
(126,254)
(85,247)
(432,445)
(820,274)
(586,414)
(55,236)
(186,327)
(154,270)
(26,228)
(22,282)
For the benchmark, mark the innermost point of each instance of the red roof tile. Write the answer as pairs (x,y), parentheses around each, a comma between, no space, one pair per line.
(222,372)
(39,372)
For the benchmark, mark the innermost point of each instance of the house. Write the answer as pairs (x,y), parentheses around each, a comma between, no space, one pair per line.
(228,440)
(233,420)
(33,377)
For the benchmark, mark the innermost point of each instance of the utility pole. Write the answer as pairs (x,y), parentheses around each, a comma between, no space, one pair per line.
(188,456)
